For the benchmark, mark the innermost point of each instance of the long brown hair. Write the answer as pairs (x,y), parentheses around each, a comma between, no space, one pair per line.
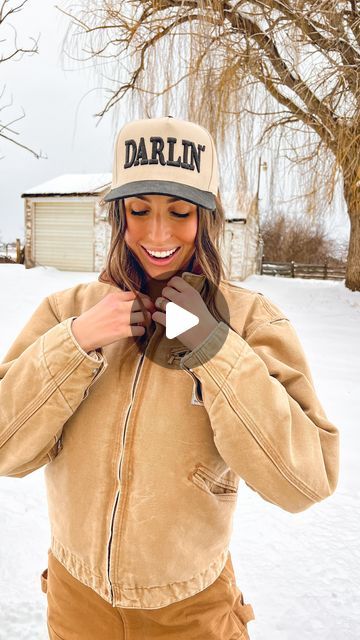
(123,269)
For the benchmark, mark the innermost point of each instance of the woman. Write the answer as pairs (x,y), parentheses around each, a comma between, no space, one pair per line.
(144,436)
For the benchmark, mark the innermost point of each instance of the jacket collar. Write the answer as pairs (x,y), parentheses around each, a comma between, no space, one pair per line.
(196,280)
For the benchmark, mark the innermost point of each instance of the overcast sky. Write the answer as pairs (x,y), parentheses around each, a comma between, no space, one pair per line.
(59,116)
(60,120)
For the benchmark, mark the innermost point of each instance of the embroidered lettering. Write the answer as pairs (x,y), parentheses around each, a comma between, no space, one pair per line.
(141,153)
(171,161)
(128,144)
(163,154)
(157,147)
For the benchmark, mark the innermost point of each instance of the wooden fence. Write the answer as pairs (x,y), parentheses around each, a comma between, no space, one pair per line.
(286,269)
(299,270)
(12,252)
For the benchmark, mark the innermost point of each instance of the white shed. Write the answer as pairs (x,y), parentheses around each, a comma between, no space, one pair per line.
(65,227)
(242,243)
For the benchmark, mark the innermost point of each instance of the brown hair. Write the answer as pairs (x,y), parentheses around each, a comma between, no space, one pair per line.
(123,269)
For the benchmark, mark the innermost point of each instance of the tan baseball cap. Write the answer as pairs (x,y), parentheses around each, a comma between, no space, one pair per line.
(165,156)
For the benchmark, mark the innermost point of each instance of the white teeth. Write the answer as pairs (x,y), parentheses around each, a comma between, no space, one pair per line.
(161,254)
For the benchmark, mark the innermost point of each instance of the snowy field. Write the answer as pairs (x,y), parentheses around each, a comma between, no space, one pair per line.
(300,572)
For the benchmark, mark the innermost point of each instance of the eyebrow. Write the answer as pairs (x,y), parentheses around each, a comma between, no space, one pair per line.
(170,199)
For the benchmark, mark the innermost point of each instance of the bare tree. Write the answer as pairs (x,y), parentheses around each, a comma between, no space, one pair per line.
(291,66)
(12,51)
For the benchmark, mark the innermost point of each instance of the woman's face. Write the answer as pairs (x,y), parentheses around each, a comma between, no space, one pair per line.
(158,223)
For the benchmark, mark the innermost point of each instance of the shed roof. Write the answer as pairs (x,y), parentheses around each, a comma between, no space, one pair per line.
(71,184)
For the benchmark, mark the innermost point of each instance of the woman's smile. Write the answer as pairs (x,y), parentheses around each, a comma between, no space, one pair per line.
(161,231)
(160,256)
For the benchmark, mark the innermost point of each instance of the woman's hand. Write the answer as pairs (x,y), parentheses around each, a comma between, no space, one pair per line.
(116,316)
(183,294)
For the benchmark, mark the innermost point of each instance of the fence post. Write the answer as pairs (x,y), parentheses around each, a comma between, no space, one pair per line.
(325,270)
(292,269)
(18,250)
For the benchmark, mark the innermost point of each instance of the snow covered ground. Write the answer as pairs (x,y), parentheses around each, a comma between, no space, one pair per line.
(300,572)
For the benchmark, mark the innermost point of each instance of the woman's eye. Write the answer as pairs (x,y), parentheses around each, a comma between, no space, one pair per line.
(137,213)
(141,213)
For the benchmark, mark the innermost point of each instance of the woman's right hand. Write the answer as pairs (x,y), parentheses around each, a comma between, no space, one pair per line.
(114,317)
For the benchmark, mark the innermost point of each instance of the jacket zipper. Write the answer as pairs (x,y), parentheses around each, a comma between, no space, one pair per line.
(177,353)
(139,365)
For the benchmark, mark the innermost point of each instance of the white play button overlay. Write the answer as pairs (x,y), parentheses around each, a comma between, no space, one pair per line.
(158,345)
(178,320)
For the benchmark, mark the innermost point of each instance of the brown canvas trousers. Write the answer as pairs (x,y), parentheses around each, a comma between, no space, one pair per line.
(76,612)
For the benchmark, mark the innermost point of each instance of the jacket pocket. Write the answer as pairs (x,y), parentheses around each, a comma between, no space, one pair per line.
(214,485)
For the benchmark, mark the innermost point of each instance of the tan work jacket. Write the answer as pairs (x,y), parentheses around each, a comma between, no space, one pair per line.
(142,462)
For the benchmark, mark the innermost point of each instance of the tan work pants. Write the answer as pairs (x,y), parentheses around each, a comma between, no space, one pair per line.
(76,612)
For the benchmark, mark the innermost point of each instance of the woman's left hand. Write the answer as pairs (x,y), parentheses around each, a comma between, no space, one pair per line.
(183,294)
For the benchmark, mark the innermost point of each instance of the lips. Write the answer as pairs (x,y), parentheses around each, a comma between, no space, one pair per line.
(155,260)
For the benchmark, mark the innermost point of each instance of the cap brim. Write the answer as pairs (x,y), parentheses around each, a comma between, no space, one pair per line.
(163,187)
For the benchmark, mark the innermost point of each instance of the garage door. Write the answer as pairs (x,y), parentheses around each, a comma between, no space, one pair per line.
(64,235)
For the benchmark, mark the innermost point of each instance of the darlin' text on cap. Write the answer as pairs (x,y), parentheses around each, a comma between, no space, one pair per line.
(140,155)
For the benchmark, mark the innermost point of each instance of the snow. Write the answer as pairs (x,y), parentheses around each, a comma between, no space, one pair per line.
(72,183)
(299,571)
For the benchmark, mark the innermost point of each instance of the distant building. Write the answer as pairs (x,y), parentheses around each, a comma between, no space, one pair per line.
(243,245)
(65,227)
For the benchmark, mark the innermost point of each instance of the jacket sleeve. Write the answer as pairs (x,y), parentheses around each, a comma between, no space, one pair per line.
(44,377)
(268,424)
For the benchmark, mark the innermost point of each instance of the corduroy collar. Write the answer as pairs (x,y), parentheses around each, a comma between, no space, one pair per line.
(196,280)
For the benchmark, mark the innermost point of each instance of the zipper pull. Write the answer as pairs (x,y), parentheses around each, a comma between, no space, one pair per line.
(177,354)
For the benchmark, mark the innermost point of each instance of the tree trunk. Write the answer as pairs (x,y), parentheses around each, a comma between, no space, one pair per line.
(352,197)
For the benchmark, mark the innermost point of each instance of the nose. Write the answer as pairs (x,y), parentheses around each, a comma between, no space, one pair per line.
(159,230)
